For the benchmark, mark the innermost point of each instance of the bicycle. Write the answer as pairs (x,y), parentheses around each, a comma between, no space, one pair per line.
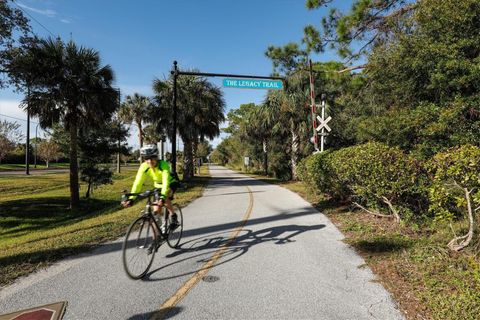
(144,236)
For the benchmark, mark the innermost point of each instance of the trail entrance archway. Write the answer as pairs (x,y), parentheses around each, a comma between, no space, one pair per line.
(237,81)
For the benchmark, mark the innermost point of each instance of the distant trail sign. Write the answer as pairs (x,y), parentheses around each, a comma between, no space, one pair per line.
(253,84)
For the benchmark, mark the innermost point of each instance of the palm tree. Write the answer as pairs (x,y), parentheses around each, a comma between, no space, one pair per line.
(207,119)
(136,108)
(289,108)
(70,86)
(200,111)
(260,126)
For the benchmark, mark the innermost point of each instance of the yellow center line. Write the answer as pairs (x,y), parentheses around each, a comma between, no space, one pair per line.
(187,286)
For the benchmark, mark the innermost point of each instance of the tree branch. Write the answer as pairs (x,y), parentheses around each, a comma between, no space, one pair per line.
(373,212)
(390,205)
(453,244)
(352,68)
(457,185)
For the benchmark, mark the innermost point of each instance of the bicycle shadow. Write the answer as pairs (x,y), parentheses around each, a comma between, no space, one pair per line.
(208,245)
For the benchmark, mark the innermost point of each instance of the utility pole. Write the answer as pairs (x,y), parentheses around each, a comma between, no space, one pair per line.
(119,128)
(313,108)
(322,135)
(162,148)
(27,149)
(36,144)
(174,72)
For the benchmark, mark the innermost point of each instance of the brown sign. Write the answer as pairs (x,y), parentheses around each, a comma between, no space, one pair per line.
(52,311)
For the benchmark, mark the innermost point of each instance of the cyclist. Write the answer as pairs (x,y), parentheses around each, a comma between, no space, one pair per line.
(159,172)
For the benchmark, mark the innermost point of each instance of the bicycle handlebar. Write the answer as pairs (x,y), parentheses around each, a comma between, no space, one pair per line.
(142,194)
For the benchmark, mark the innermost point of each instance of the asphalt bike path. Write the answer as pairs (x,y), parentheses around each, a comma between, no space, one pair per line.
(250,251)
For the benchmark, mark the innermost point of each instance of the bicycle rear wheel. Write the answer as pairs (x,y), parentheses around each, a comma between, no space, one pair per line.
(175,234)
(139,247)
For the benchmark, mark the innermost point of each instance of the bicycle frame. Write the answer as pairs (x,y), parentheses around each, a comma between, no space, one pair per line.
(148,212)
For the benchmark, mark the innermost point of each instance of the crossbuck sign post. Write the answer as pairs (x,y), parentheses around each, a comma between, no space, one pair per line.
(323,126)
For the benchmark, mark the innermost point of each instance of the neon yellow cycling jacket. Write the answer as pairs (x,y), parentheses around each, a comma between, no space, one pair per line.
(160,175)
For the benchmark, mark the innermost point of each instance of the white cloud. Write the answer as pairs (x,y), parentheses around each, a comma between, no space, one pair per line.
(11,111)
(47,12)
(65,21)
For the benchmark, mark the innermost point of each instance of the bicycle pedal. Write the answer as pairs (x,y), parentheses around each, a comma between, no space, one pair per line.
(150,249)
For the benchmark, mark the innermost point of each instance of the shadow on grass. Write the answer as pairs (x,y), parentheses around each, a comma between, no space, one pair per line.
(381,245)
(14,266)
(333,205)
(27,215)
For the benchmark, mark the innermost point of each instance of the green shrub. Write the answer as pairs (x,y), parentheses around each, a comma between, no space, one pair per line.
(372,174)
(317,172)
(455,190)
(454,171)
(381,176)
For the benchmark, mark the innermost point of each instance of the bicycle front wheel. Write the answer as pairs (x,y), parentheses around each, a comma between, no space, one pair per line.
(139,247)
(175,231)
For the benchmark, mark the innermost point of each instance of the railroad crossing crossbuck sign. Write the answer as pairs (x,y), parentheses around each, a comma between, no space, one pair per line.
(323,123)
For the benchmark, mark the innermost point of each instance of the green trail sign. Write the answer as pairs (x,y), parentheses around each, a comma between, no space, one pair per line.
(253,84)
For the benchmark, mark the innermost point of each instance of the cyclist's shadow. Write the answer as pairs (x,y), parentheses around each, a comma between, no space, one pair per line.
(236,247)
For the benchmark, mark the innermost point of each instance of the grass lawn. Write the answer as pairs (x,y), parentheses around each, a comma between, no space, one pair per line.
(37,228)
(53,165)
(412,261)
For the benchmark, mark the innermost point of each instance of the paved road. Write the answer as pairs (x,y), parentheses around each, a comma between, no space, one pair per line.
(274,257)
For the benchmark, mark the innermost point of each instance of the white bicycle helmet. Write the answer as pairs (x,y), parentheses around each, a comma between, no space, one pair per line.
(149,150)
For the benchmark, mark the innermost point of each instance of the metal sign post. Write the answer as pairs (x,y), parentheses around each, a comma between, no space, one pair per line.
(174,133)
(323,126)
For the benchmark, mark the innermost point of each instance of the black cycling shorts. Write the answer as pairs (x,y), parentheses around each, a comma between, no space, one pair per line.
(173,186)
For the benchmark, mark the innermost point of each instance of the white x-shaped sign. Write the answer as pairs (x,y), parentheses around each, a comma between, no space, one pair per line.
(323,124)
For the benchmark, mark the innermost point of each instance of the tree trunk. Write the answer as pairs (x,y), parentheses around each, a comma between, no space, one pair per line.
(265,157)
(392,209)
(48,164)
(118,156)
(453,244)
(118,162)
(87,195)
(294,155)
(74,191)
(194,156)
(187,160)
(140,136)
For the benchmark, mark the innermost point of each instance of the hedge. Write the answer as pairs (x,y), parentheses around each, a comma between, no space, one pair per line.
(371,174)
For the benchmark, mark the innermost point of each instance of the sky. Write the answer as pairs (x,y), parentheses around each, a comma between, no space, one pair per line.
(141,39)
